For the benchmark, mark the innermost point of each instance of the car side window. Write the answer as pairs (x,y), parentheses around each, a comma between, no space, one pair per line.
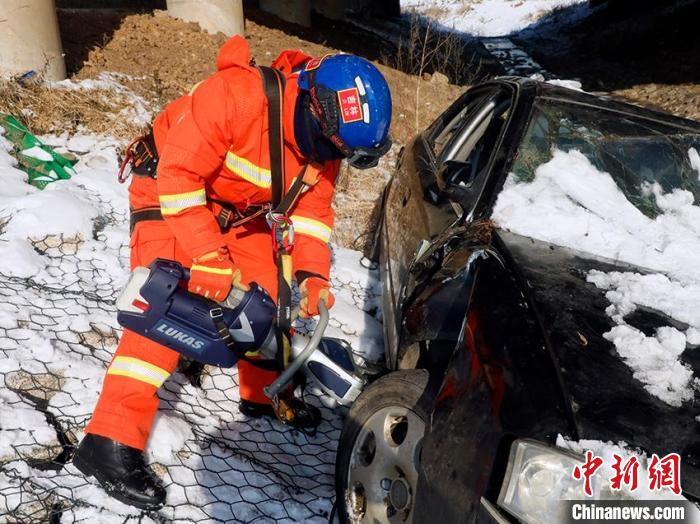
(443,131)
(473,146)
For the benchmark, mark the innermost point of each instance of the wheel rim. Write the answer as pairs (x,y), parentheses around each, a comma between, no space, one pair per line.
(383,472)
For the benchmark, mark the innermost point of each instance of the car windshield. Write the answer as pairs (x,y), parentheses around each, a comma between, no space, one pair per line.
(636,152)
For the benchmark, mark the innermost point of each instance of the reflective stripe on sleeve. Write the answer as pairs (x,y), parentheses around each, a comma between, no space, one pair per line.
(138,370)
(248,171)
(173,204)
(311,227)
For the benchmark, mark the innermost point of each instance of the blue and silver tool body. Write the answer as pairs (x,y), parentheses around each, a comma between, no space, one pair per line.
(157,305)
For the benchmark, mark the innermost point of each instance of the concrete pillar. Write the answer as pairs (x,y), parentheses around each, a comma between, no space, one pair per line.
(295,11)
(29,39)
(333,9)
(214,16)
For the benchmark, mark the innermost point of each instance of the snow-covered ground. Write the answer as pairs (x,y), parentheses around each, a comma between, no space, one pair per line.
(63,260)
(571,203)
(488,17)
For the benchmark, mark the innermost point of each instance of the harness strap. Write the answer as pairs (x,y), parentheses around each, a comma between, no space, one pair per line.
(140,158)
(282,232)
(282,202)
(217,318)
(293,194)
(274,83)
(227,217)
(139,215)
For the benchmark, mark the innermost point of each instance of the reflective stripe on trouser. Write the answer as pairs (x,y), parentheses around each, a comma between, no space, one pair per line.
(311,227)
(128,401)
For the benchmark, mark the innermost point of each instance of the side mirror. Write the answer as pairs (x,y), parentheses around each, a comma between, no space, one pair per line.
(455,180)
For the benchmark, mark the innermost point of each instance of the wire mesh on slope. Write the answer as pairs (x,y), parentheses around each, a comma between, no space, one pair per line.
(58,332)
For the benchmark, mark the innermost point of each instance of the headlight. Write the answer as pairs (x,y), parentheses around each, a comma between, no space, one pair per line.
(538,478)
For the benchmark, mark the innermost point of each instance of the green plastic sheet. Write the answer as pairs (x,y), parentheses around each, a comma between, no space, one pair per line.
(41,163)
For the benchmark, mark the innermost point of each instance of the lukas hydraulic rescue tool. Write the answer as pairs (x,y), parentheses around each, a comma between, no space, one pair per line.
(157,305)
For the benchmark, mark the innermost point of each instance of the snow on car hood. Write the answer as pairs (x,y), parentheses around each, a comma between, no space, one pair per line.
(571,203)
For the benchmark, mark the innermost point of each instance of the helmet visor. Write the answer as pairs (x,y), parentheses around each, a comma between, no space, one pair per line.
(365,158)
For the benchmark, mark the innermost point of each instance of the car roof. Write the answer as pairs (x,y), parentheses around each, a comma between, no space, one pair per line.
(545,90)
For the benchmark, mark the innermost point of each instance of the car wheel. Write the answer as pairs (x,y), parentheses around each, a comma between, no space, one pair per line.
(379,450)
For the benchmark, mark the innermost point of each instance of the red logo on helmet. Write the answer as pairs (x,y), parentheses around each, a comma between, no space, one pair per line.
(314,63)
(350,107)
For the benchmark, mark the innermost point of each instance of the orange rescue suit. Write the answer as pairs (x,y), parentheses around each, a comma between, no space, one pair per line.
(213,146)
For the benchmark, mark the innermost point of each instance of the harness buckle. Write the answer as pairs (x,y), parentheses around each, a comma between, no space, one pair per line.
(127,165)
(282,232)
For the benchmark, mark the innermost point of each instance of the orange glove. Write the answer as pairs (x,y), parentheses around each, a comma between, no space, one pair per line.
(313,290)
(212,275)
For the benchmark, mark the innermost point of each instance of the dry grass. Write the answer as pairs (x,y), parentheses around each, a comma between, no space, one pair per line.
(46,109)
(482,230)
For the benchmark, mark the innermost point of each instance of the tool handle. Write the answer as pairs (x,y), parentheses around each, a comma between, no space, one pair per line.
(286,377)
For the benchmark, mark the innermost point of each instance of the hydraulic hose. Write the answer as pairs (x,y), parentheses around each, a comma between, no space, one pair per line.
(286,377)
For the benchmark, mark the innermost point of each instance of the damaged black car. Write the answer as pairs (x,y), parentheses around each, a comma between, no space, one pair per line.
(513,233)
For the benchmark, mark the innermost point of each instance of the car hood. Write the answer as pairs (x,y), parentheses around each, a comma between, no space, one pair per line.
(607,402)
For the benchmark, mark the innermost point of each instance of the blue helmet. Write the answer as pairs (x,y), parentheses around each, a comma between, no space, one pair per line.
(351,100)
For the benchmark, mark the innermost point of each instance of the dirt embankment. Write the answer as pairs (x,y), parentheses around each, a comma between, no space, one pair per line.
(167,57)
(160,58)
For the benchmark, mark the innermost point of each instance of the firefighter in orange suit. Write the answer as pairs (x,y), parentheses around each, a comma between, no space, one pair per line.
(201,188)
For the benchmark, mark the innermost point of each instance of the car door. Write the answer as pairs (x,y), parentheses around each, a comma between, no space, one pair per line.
(417,209)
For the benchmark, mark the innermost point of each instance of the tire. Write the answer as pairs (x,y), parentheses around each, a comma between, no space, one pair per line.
(380,446)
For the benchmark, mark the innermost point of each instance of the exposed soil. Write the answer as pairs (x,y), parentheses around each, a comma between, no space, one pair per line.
(167,57)
(681,100)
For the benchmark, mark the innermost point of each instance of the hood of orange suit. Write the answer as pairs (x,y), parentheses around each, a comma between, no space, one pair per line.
(236,52)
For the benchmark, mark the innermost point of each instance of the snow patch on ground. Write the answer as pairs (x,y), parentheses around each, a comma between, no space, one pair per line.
(23,429)
(571,203)
(485,17)
(167,438)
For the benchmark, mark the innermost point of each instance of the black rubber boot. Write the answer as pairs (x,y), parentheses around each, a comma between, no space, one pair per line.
(121,471)
(304,415)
